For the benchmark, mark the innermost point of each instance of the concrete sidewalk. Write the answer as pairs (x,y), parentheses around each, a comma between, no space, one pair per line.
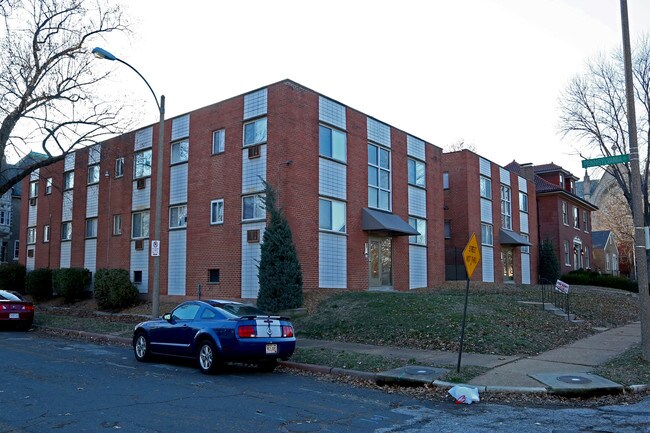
(574,361)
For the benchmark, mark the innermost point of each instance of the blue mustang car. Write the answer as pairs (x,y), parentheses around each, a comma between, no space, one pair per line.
(214,332)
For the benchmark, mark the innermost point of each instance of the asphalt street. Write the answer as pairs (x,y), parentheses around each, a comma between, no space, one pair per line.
(50,384)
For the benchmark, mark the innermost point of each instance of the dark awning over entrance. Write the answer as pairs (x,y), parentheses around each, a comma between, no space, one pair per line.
(386,223)
(508,237)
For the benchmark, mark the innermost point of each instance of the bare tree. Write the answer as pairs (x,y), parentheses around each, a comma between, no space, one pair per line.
(593,109)
(460,145)
(47,85)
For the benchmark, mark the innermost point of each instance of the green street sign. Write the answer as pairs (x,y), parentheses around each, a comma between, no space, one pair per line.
(607,160)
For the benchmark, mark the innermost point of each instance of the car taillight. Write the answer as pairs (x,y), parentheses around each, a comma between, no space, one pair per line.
(287,331)
(28,307)
(246,331)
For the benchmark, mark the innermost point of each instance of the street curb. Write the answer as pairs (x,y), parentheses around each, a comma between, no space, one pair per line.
(92,335)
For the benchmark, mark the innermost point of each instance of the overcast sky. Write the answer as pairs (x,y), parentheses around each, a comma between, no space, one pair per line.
(488,72)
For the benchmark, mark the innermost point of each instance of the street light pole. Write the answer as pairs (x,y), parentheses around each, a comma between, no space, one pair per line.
(155,304)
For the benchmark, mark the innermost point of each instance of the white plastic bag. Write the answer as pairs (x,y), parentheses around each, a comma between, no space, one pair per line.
(464,394)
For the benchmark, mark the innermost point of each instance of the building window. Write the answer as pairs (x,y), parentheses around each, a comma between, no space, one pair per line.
(46,233)
(585,220)
(608,263)
(421,226)
(137,277)
(331,215)
(16,250)
(180,151)
(142,164)
(4,218)
(567,254)
(91,228)
(218,141)
(68,180)
(253,207)
(213,276)
(255,132)
(562,180)
(33,189)
(48,186)
(66,231)
(486,187)
(177,217)
(445,180)
(576,218)
(93,174)
(31,235)
(119,166)
(140,225)
(117,225)
(523,202)
(486,235)
(416,170)
(525,248)
(506,208)
(587,258)
(447,229)
(332,143)
(565,213)
(216,211)
(378,177)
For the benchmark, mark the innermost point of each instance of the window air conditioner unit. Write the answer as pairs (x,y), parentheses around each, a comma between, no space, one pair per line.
(141,183)
(253,236)
(139,244)
(254,151)
(32,201)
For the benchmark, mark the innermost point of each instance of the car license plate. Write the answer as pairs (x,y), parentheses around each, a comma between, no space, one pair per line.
(17,316)
(271,349)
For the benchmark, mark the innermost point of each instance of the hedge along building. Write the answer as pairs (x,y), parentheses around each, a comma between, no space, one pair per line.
(363,199)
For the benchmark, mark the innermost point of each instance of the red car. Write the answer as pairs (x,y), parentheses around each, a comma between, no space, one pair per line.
(14,309)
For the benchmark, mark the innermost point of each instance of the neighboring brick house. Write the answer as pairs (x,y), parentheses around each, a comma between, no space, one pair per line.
(363,199)
(564,218)
(605,252)
(497,205)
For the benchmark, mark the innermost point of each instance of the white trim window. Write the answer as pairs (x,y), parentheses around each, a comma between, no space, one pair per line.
(416,173)
(255,132)
(68,180)
(91,228)
(421,226)
(445,180)
(117,225)
(31,235)
(487,237)
(253,207)
(178,217)
(16,250)
(180,151)
(48,186)
(576,218)
(523,202)
(46,233)
(331,215)
(66,231)
(332,143)
(142,164)
(587,258)
(447,229)
(5,218)
(379,188)
(119,166)
(216,211)
(565,213)
(525,248)
(93,174)
(140,225)
(33,189)
(567,253)
(485,187)
(506,208)
(218,141)
(585,221)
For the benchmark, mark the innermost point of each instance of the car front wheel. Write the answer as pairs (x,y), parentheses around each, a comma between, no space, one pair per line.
(208,357)
(141,347)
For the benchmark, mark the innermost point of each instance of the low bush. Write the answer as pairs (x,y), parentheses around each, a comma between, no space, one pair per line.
(71,283)
(38,284)
(12,277)
(114,289)
(592,278)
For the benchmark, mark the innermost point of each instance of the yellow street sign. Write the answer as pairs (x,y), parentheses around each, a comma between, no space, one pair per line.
(471,255)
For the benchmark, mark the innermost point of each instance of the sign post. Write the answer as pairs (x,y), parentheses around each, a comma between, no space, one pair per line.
(471,257)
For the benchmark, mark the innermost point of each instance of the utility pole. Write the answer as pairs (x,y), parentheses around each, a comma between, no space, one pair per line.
(637,194)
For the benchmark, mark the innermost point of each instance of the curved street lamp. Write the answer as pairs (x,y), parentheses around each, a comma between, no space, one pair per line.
(101,53)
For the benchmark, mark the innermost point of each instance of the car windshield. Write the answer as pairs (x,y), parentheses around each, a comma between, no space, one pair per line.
(242,310)
(8,296)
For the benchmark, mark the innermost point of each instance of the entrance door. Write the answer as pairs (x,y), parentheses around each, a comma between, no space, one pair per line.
(380,258)
(508,263)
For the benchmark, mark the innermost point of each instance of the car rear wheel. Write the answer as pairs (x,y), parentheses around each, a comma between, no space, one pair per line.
(141,347)
(208,357)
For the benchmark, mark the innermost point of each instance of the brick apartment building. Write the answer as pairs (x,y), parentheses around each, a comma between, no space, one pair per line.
(499,207)
(363,199)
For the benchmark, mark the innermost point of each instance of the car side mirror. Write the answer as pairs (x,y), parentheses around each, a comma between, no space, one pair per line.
(167,317)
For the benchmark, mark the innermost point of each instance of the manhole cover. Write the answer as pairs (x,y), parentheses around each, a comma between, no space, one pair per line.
(418,371)
(578,380)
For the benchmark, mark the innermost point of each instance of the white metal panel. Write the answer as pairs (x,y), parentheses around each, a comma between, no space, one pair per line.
(141,198)
(486,210)
(31,261)
(92,200)
(90,255)
(487,260)
(32,213)
(415,147)
(417,201)
(417,266)
(250,258)
(378,132)
(181,127)
(140,262)
(66,248)
(525,268)
(66,209)
(255,103)
(523,184)
(332,261)
(176,262)
(143,138)
(253,171)
(332,179)
(523,222)
(331,112)
(178,184)
(485,167)
(504,176)
(69,162)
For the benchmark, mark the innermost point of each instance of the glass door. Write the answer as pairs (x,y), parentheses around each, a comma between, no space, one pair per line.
(380,258)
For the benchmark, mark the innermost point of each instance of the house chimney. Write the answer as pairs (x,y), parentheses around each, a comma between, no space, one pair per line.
(528,172)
